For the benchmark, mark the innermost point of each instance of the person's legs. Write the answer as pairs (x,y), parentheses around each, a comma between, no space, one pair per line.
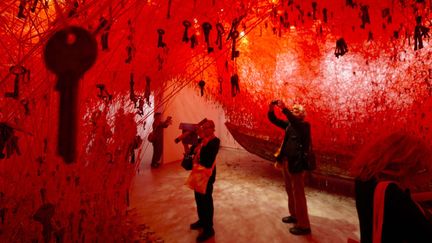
(301,204)
(157,154)
(199,200)
(205,213)
(209,209)
(289,189)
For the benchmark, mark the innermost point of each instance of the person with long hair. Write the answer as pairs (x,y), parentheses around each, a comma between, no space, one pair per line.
(399,163)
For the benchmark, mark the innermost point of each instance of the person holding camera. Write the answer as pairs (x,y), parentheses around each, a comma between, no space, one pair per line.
(202,178)
(291,160)
(156,138)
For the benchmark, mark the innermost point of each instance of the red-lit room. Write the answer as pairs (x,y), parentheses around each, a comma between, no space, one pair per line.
(317,115)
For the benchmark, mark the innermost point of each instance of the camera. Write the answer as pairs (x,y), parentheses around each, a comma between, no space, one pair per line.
(189,135)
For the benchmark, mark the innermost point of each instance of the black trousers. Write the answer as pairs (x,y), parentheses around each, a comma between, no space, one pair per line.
(205,208)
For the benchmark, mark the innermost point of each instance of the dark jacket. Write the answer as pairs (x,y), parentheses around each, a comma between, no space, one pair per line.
(403,221)
(208,156)
(296,141)
(158,131)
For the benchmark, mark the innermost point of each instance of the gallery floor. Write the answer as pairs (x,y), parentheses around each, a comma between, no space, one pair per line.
(249,200)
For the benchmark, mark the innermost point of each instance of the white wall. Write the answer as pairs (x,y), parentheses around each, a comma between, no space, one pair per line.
(189,107)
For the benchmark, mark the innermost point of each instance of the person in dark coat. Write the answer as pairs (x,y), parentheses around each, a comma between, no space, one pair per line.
(204,162)
(292,161)
(157,138)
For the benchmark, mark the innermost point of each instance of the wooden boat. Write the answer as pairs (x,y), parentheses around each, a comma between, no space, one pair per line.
(332,173)
(253,143)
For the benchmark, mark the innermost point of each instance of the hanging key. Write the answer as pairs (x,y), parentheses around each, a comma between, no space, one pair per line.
(187,24)
(19,72)
(161,44)
(169,9)
(69,53)
(207,28)
(221,31)
(234,52)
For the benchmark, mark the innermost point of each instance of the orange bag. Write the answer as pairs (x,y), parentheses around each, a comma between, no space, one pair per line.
(199,177)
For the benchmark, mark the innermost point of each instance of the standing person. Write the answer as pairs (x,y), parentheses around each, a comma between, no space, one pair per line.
(202,178)
(385,172)
(292,161)
(156,138)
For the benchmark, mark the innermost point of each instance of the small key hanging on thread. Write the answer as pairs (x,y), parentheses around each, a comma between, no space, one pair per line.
(284,20)
(194,41)
(161,44)
(129,51)
(103,93)
(147,90)
(314,10)
(33,7)
(69,53)
(74,10)
(220,31)
(103,23)
(169,9)
(420,31)
(201,85)
(234,25)
(132,95)
(350,3)
(370,36)
(235,88)
(301,13)
(21,9)
(385,14)
(105,38)
(187,24)
(21,74)
(207,28)
(364,16)
(341,47)
(140,106)
(234,52)
(324,12)
(130,48)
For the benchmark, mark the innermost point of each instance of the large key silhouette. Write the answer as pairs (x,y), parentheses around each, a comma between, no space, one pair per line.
(69,53)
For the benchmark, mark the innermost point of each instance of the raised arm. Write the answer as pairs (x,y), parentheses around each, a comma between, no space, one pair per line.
(273,119)
(167,122)
(289,115)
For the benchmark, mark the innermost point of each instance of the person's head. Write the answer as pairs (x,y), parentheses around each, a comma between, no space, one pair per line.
(206,129)
(299,111)
(398,156)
